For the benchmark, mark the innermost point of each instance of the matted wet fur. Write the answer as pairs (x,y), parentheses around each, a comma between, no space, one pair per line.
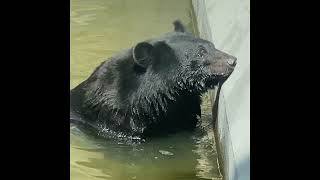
(151,89)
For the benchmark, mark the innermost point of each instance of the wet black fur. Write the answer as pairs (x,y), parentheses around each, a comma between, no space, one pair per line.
(151,89)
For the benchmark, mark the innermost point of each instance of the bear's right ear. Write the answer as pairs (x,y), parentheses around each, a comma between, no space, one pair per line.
(178,26)
(142,54)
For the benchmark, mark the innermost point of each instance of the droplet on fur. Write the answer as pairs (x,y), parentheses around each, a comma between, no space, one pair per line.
(202,84)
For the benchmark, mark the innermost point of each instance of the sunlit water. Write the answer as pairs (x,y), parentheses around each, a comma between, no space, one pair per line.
(99,29)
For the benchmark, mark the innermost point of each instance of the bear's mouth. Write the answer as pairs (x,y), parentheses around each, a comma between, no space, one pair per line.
(211,82)
(215,79)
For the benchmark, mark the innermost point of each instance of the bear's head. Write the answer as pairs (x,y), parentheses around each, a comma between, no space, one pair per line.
(183,60)
(146,78)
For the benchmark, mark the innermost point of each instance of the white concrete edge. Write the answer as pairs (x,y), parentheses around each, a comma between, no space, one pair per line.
(225,151)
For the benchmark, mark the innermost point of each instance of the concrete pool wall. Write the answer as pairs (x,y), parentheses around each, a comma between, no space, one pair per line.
(227,24)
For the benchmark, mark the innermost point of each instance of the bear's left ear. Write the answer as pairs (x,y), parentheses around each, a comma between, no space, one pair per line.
(142,54)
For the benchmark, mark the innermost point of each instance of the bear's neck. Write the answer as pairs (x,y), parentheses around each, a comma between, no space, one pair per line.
(161,103)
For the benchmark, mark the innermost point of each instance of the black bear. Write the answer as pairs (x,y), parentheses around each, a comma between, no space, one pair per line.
(152,88)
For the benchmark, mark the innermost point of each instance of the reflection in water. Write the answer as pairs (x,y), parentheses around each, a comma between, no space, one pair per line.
(100,28)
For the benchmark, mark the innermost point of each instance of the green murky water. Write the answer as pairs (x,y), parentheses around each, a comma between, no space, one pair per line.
(100,28)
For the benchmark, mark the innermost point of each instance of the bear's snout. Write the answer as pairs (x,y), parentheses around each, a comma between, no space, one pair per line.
(222,56)
(232,61)
(221,63)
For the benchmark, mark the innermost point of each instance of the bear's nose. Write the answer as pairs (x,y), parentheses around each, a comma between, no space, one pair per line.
(232,61)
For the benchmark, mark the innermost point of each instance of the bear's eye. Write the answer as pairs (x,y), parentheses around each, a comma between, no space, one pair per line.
(202,51)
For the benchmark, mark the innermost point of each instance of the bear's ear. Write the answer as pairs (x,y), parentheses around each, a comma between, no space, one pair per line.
(142,54)
(178,26)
